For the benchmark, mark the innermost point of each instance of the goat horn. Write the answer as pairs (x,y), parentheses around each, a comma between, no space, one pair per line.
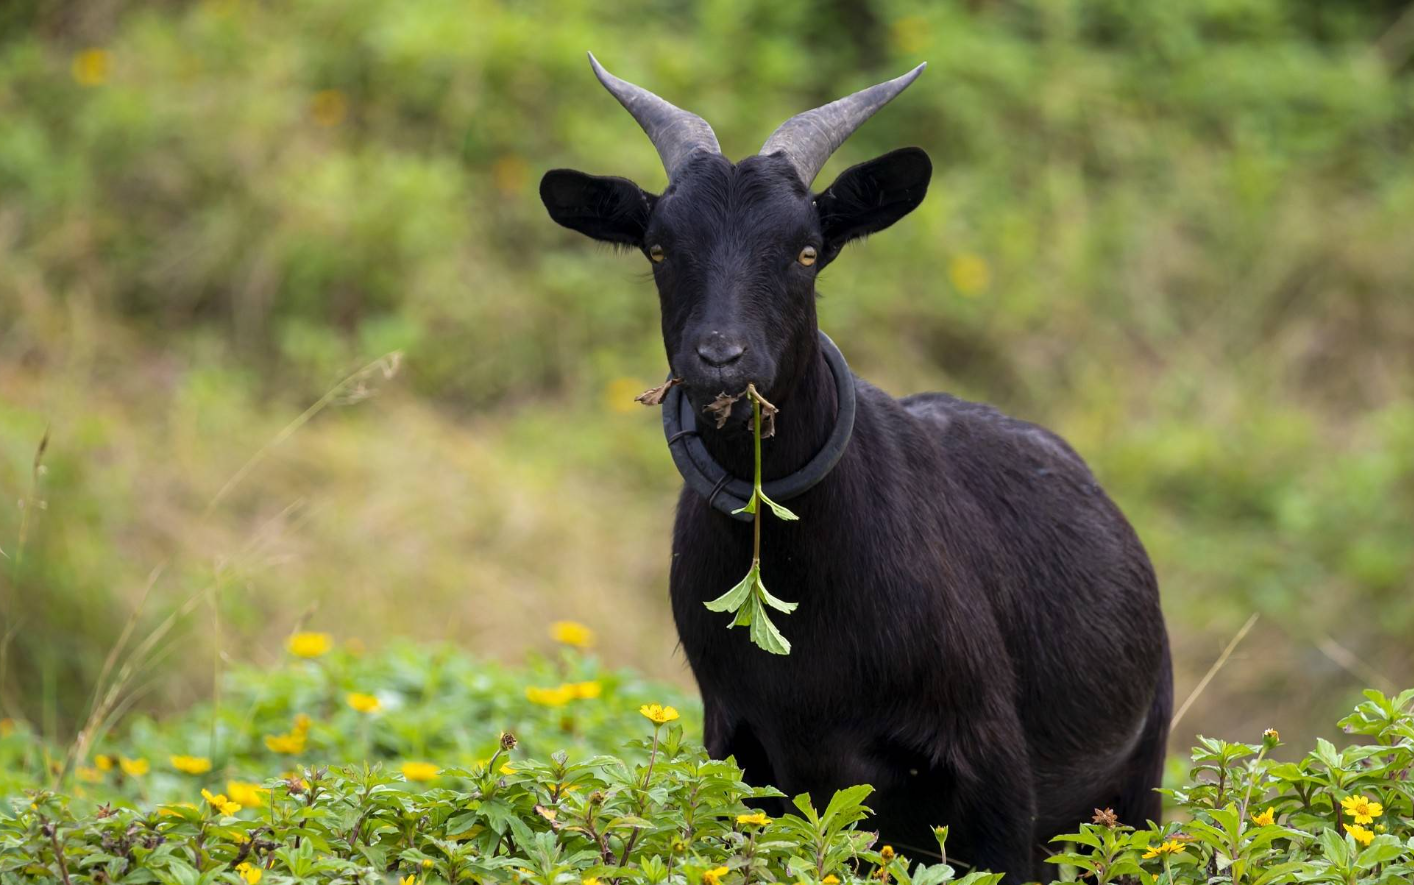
(810,138)
(674,132)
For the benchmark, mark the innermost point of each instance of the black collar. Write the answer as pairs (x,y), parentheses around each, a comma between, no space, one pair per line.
(726,492)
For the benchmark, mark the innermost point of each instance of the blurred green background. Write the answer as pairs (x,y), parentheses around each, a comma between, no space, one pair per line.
(1181,234)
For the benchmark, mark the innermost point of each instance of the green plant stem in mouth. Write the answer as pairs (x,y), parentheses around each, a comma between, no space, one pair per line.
(749,599)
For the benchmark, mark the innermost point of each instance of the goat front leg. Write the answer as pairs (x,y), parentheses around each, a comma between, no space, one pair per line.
(982,791)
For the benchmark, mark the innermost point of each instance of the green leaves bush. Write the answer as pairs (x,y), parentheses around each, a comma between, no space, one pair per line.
(600,785)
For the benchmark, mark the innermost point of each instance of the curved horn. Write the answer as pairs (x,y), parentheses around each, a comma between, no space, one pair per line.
(673,131)
(810,138)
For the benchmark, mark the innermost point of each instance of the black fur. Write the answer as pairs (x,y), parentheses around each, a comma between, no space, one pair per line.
(979,633)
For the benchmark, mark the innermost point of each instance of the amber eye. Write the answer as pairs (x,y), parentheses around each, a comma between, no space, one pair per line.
(806,256)
(655,253)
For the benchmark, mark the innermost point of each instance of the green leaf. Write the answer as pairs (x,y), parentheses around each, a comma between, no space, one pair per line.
(765,634)
(777,604)
(781,512)
(735,597)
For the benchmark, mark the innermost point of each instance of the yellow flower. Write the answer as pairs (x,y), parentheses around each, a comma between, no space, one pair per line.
(420,771)
(714,876)
(1270,738)
(619,395)
(328,107)
(102,762)
(831,879)
(310,645)
(302,723)
(249,795)
(508,768)
(970,274)
(591,880)
(1173,846)
(658,714)
(427,863)
(572,633)
(88,775)
(133,767)
(408,880)
(1360,834)
(364,703)
(287,744)
(1265,819)
(249,874)
(220,801)
(886,853)
(191,764)
(587,691)
(1362,809)
(550,697)
(758,819)
(90,67)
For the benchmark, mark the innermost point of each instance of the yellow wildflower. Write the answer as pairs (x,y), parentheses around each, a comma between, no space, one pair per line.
(102,762)
(328,107)
(572,633)
(886,853)
(970,274)
(1173,846)
(427,863)
(1362,809)
(587,691)
(1265,819)
(90,67)
(249,795)
(408,880)
(508,768)
(658,714)
(191,764)
(1360,834)
(420,771)
(590,880)
(88,775)
(831,879)
(1271,737)
(714,876)
(364,703)
(287,744)
(133,767)
(550,697)
(220,801)
(310,645)
(302,723)
(250,874)
(758,819)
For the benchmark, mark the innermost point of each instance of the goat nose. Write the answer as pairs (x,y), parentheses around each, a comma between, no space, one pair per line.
(717,350)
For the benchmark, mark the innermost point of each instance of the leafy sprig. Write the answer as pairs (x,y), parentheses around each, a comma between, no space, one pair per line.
(750,599)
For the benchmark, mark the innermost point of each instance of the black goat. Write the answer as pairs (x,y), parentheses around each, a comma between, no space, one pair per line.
(979,633)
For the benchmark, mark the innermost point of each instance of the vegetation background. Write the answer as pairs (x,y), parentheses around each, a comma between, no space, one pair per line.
(1181,234)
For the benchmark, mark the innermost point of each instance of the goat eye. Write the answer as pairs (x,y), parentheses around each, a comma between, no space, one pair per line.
(806,256)
(655,252)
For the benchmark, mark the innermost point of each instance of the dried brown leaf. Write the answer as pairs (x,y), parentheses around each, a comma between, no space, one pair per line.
(721,407)
(654,395)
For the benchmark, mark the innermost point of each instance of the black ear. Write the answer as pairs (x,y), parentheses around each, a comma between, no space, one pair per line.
(871,196)
(614,210)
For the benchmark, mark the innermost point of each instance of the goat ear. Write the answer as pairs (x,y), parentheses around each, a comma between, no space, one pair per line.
(613,210)
(871,196)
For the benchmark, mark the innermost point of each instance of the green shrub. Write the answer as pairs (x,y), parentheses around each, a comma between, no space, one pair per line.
(401,765)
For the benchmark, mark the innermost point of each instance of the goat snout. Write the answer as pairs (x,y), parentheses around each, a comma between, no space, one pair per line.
(717,350)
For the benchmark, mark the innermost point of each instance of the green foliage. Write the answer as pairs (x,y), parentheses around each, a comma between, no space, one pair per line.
(602,785)
(1175,232)
(1339,816)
